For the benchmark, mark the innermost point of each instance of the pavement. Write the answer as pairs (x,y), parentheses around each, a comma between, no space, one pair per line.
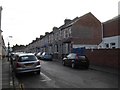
(0,74)
(9,81)
(4,74)
(7,78)
(104,69)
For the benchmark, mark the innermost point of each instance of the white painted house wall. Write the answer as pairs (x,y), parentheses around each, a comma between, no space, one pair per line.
(110,42)
(86,46)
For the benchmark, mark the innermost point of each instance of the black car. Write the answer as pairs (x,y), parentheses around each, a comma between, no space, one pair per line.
(76,60)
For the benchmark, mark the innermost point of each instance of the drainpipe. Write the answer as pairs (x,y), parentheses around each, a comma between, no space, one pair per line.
(102,36)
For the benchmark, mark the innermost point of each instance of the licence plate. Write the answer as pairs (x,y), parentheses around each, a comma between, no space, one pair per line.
(28,65)
(83,61)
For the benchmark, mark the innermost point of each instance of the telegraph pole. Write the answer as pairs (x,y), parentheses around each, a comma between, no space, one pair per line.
(8,51)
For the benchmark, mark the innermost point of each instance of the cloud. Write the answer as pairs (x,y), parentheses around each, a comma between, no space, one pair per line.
(27,19)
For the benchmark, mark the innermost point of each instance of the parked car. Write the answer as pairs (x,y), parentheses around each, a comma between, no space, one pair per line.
(76,60)
(38,55)
(26,62)
(46,56)
(12,56)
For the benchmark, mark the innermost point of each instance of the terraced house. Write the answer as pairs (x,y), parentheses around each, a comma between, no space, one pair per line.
(84,31)
(2,44)
(0,35)
(111,33)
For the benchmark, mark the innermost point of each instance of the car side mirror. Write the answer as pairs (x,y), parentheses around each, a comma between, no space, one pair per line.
(64,58)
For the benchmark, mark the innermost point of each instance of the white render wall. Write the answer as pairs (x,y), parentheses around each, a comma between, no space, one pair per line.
(86,46)
(109,40)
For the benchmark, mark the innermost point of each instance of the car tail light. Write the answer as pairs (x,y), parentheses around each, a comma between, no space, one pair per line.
(38,63)
(18,65)
(77,57)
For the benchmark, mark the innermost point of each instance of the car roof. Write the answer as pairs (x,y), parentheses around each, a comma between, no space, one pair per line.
(24,54)
(77,54)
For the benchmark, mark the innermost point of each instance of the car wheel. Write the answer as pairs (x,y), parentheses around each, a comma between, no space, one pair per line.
(73,65)
(16,74)
(38,72)
(63,63)
(87,67)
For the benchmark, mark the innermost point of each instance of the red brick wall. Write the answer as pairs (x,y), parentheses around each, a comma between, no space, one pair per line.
(104,57)
(110,28)
(87,30)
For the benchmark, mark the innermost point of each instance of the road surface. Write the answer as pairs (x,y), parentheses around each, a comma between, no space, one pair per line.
(55,75)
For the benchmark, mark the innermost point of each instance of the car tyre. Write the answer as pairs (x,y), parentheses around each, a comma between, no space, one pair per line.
(73,65)
(87,67)
(38,72)
(16,74)
(63,62)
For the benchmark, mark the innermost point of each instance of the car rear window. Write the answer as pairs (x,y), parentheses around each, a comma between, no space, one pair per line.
(81,57)
(27,58)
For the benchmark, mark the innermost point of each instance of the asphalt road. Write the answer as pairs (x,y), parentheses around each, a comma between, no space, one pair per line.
(55,75)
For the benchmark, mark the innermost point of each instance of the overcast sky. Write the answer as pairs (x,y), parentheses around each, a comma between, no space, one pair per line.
(25,20)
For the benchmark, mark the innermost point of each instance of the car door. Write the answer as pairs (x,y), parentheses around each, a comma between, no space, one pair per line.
(71,58)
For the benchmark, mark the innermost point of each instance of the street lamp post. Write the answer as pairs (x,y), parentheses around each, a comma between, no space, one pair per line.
(9,48)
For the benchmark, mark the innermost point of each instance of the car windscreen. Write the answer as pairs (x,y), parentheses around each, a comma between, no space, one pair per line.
(27,58)
(71,56)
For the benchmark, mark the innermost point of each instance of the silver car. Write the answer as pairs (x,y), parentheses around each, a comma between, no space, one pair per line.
(26,62)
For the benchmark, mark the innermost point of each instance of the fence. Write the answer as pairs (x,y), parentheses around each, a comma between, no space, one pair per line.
(104,57)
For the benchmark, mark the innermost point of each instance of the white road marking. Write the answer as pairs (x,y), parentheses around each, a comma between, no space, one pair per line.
(46,78)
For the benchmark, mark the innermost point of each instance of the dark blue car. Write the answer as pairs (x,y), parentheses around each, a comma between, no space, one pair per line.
(46,56)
